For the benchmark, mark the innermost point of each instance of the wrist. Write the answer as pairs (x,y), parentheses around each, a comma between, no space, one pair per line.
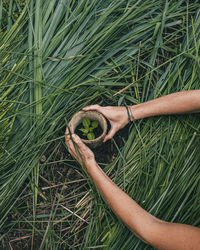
(137,111)
(91,165)
(123,118)
(130,116)
(94,171)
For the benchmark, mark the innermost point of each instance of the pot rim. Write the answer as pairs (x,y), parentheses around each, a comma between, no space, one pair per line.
(99,117)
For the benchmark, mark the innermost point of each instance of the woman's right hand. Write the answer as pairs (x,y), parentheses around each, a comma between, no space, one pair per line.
(117,117)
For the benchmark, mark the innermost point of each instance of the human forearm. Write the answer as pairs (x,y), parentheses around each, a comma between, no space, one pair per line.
(140,222)
(177,103)
(158,233)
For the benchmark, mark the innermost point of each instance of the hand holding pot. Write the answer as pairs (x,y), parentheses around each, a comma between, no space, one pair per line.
(79,150)
(117,117)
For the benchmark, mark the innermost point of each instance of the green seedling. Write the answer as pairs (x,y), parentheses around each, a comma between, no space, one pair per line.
(88,128)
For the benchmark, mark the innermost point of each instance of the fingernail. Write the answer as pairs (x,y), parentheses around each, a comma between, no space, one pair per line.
(67,138)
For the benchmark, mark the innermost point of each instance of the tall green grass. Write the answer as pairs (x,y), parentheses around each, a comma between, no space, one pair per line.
(59,56)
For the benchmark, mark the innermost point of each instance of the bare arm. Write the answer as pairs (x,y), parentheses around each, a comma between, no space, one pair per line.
(151,230)
(177,103)
(160,234)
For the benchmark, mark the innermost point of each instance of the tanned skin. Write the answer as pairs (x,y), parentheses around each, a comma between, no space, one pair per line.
(158,233)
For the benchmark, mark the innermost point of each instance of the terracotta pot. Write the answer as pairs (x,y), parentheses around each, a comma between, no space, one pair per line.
(92,115)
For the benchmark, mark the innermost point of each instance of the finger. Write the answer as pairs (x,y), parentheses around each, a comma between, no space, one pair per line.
(67,139)
(110,134)
(69,144)
(72,150)
(85,152)
(67,131)
(103,110)
(92,107)
(79,143)
(67,136)
(83,149)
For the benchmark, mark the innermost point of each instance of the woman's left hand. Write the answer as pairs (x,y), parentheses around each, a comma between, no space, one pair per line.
(79,150)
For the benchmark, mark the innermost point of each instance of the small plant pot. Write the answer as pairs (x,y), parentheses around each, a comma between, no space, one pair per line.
(91,115)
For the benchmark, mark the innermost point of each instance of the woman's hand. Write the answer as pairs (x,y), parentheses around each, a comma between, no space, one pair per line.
(117,117)
(79,150)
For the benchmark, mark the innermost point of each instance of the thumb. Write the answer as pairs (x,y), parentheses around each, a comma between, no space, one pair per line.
(85,152)
(110,134)
(92,107)
(98,108)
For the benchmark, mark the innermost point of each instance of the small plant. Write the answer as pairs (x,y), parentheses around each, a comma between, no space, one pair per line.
(88,128)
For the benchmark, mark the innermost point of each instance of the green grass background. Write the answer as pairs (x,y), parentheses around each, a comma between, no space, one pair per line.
(57,56)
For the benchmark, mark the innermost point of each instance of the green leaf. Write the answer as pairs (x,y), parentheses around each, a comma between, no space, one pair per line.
(95,124)
(90,136)
(91,129)
(84,130)
(86,122)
